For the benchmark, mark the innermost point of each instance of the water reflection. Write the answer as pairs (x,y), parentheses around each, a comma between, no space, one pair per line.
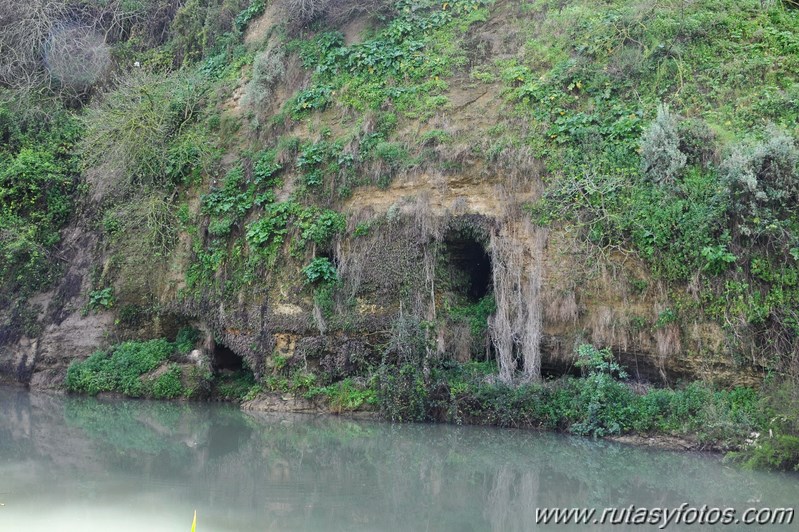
(140,464)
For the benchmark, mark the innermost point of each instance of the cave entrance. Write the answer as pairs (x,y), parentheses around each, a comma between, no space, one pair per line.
(469,283)
(471,266)
(225,359)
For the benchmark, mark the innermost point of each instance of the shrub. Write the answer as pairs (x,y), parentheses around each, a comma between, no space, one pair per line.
(131,131)
(119,369)
(779,452)
(717,258)
(77,58)
(230,200)
(762,181)
(697,141)
(268,70)
(320,270)
(390,157)
(167,385)
(34,185)
(661,158)
(301,12)
(403,391)
(200,25)
(186,339)
(324,227)
(603,405)
(252,11)
(24,261)
(144,228)
(265,169)
(346,395)
(315,98)
(268,232)
(403,395)
(36,196)
(65,40)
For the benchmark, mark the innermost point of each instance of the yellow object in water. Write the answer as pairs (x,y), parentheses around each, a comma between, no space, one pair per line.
(194,522)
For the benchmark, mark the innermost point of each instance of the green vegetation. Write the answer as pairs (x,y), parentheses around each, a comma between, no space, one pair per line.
(151,369)
(344,396)
(656,145)
(168,385)
(476,317)
(120,369)
(237,386)
(402,64)
(141,134)
(320,270)
(186,339)
(101,299)
(38,177)
(599,403)
(138,369)
(780,452)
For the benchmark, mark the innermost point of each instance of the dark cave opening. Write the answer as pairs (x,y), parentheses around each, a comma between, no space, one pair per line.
(225,359)
(470,259)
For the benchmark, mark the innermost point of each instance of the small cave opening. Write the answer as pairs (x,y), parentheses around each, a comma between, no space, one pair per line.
(472,264)
(225,359)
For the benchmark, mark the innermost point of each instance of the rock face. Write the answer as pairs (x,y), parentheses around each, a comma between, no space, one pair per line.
(75,338)
(579,300)
(65,331)
(437,239)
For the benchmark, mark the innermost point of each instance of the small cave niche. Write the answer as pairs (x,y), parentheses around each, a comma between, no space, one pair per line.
(471,265)
(225,359)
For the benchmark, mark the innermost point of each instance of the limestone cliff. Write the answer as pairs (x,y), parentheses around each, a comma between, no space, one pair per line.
(430,197)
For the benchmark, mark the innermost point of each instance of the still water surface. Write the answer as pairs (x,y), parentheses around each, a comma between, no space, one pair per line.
(79,464)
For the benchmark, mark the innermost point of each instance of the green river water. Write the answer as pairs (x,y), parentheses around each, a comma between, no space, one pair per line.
(81,464)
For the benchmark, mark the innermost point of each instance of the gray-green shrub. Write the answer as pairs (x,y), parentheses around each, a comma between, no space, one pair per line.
(661,158)
(761,182)
(268,70)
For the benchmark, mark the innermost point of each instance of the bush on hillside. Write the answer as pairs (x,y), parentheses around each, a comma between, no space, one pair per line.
(762,182)
(119,369)
(661,158)
(134,134)
(268,70)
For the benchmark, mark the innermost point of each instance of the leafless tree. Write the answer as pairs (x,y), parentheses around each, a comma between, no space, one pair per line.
(24,28)
(76,58)
(57,43)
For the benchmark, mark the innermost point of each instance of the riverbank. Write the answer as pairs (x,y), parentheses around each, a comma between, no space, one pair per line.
(275,403)
(758,427)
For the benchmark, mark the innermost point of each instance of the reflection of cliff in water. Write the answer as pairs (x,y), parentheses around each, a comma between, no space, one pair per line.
(302,472)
